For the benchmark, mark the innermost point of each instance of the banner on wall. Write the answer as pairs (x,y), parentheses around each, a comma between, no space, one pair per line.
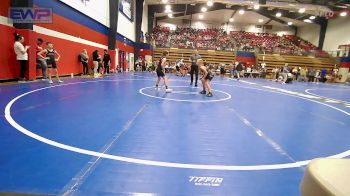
(127,8)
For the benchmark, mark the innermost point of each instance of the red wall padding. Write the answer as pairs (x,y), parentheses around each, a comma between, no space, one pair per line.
(69,27)
(123,47)
(144,52)
(345,64)
(249,60)
(9,67)
(69,51)
(4,6)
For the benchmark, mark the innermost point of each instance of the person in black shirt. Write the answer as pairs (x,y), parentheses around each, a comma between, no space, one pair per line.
(207,76)
(194,66)
(51,60)
(106,62)
(96,59)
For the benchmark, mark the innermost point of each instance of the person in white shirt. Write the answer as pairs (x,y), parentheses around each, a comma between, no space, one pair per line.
(21,55)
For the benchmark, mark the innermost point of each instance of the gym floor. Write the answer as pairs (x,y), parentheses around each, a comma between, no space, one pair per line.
(119,136)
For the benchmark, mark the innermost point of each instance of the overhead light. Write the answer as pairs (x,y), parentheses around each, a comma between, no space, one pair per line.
(278,14)
(170,15)
(164,1)
(167,7)
(200,16)
(312,17)
(302,10)
(261,20)
(168,11)
(343,14)
(231,20)
(256,6)
(290,23)
(210,3)
(241,12)
(193,4)
(308,21)
(204,9)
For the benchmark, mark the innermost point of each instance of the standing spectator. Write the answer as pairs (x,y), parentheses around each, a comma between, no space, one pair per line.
(222,70)
(239,69)
(143,64)
(84,58)
(233,70)
(51,60)
(323,75)
(317,76)
(39,60)
(96,59)
(106,62)
(21,55)
(311,75)
(302,74)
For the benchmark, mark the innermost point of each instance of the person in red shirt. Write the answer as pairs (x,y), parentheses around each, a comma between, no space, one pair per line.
(40,61)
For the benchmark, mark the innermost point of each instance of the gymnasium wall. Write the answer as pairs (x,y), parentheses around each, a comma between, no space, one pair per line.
(9,68)
(71,32)
(337,33)
(144,26)
(96,9)
(126,27)
(310,32)
(99,11)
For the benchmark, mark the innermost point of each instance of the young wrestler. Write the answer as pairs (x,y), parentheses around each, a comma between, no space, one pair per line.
(206,78)
(50,56)
(161,72)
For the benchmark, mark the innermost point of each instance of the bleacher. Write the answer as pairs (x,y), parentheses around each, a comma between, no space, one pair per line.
(224,57)
(211,56)
(227,58)
(276,60)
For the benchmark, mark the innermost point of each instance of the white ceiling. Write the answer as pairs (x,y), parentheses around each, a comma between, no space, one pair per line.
(278,4)
(223,16)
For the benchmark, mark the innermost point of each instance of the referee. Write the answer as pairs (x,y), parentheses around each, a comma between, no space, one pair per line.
(194,66)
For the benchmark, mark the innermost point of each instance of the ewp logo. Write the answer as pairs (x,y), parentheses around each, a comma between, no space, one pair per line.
(30,15)
(206,181)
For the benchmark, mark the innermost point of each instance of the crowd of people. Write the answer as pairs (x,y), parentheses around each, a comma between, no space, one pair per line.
(303,74)
(218,39)
(47,58)
(238,70)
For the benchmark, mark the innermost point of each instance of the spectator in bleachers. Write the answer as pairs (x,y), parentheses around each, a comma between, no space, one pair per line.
(218,39)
